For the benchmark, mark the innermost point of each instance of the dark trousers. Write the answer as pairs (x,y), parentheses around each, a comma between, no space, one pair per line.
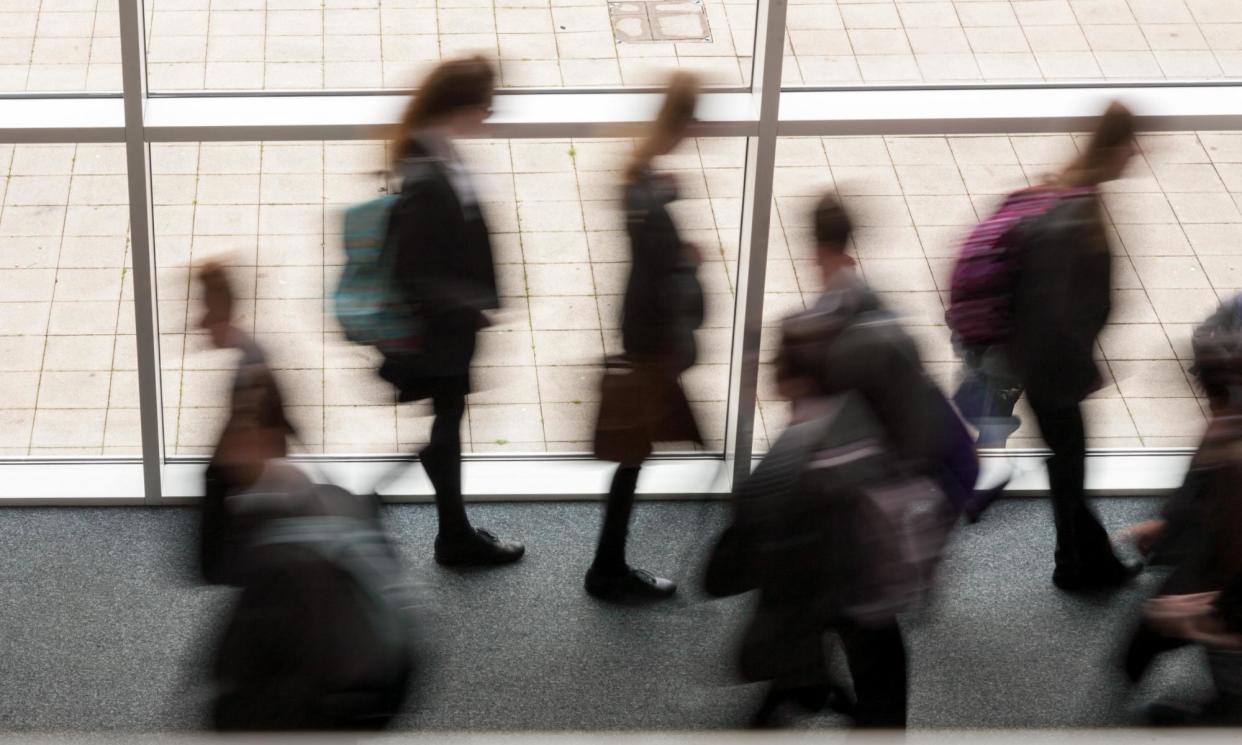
(610,553)
(1083,547)
(441,460)
(877,659)
(879,668)
(1145,646)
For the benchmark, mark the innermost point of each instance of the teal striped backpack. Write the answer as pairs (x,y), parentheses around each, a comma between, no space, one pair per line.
(367,307)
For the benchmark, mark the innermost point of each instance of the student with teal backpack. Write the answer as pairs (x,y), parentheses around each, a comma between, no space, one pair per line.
(418,279)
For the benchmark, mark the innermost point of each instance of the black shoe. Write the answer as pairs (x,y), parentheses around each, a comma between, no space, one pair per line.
(981,499)
(1098,580)
(1175,714)
(812,699)
(477,548)
(631,585)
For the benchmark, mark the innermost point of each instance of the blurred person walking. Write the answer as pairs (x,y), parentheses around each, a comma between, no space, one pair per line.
(642,398)
(321,636)
(255,433)
(1061,300)
(1199,537)
(443,270)
(841,526)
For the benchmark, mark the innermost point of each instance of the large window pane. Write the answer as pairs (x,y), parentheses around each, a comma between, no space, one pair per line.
(833,42)
(1175,229)
(352,44)
(68,384)
(59,45)
(273,210)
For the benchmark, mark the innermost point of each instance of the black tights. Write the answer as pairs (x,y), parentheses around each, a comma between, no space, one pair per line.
(1083,547)
(610,554)
(441,460)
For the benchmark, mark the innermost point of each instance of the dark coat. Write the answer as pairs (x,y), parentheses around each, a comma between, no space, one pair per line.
(443,265)
(663,299)
(848,342)
(1061,302)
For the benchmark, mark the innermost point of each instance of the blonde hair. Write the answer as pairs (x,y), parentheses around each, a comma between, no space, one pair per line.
(453,85)
(669,127)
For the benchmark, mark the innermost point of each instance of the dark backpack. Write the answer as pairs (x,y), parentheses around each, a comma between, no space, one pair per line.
(835,519)
(981,287)
(322,637)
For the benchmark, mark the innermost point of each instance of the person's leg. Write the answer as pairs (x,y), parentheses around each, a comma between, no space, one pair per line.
(1083,550)
(878,665)
(457,543)
(610,576)
(610,553)
(1145,646)
(442,461)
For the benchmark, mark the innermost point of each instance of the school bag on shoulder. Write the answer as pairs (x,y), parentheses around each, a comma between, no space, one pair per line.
(981,286)
(369,307)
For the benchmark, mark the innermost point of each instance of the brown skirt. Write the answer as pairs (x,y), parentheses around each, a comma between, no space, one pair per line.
(641,403)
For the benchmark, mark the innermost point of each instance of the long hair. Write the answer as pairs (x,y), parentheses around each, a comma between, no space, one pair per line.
(1115,129)
(452,86)
(676,114)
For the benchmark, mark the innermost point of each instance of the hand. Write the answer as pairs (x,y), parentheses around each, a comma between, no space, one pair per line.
(481,321)
(1144,535)
(1192,617)
(1177,615)
(693,251)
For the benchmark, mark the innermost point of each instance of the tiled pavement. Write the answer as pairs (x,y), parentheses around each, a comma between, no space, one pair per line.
(68,45)
(67,380)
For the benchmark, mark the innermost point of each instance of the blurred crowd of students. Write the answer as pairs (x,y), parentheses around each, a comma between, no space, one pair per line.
(841,527)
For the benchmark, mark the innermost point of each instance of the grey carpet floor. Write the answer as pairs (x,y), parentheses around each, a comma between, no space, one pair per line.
(102,627)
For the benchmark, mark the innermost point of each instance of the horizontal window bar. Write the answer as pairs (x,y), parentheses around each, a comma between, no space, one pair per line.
(803,113)
(1125,472)
(958,111)
(46,120)
(215,118)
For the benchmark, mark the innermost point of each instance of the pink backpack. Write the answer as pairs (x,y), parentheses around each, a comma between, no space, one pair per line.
(981,287)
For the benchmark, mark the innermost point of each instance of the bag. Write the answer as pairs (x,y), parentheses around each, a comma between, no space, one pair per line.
(230,518)
(835,520)
(366,305)
(981,286)
(731,565)
(322,636)
(961,461)
(641,403)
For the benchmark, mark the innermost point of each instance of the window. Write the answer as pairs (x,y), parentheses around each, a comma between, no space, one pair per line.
(370,45)
(65,46)
(272,211)
(68,384)
(983,41)
(933,110)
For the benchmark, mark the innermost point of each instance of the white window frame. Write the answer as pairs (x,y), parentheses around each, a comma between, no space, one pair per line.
(761,113)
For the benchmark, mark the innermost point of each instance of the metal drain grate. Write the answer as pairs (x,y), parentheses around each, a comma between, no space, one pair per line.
(635,21)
